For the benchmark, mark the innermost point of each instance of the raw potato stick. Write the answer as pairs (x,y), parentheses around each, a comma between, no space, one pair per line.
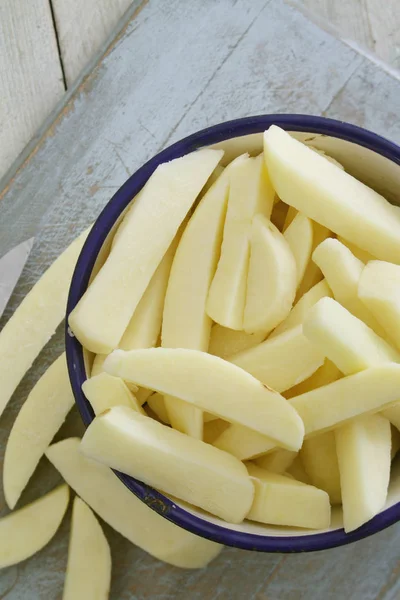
(342,271)
(214,385)
(156,403)
(330,196)
(87,543)
(277,461)
(104,311)
(324,375)
(301,308)
(299,235)
(225,342)
(145,325)
(379,291)
(350,344)
(363,449)
(39,419)
(313,273)
(319,458)
(36,320)
(244,443)
(185,321)
(250,193)
(272,278)
(282,361)
(29,529)
(171,461)
(367,392)
(281,500)
(105,391)
(123,511)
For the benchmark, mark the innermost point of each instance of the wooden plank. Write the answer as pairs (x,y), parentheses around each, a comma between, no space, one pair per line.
(260,88)
(357,101)
(177,67)
(31,80)
(371,23)
(82,29)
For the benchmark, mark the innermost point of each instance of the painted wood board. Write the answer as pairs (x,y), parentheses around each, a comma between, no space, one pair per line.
(174,69)
(31,80)
(82,29)
(371,23)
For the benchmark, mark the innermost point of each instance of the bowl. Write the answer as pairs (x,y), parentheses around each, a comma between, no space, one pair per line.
(367,156)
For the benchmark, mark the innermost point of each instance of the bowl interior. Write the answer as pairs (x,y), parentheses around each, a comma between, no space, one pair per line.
(379,169)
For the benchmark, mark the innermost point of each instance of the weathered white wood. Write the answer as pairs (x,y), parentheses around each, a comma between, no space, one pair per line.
(82,28)
(371,23)
(179,66)
(31,80)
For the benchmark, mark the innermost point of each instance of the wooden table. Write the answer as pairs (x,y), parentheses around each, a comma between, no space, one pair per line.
(175,68)
(47,46)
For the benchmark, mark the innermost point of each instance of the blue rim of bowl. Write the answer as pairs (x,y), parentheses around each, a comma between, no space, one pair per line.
(154,499)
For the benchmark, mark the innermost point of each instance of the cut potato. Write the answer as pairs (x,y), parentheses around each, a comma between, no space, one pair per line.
(318,455)
(297,470)
(362,255)
(214,385)
(97,368)
(322,376)
(330,196)
(313,273)
(39,419)
(282,361)
(250,193)
(299,235)
(185,321)
(301,308)
(350,344)
(145,325)
(342,271)
(379,291)
(28,530)
(281,500)
(171,461)
(87,542)
(393,414)
(98,363)
(105,391)
(363,449)
(104,311)
(290,216)
(36,320)
(156,403)
(244,443)
(395,441)
(272,278)
(279,214)
(213,429)
(142,395)
(224,342)
(219,169)
(123,511)
(277,461)
(369,391)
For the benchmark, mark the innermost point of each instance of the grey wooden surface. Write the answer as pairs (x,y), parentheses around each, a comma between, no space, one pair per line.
(175,68)
(46,45)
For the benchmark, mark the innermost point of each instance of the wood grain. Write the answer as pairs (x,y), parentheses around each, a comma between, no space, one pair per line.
(371,23)
(177,67)
(31,80)
(82,29)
